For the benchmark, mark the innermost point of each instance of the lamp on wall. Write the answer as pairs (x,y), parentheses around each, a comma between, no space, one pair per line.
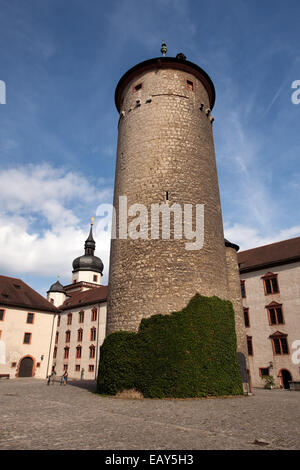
(270,365)
(42,357)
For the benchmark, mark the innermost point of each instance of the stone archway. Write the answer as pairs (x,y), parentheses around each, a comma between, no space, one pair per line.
(26,367)
(285,378)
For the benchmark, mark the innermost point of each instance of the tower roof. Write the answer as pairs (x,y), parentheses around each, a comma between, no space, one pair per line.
(231,245)
(179,62)
(57,287)
(88,261)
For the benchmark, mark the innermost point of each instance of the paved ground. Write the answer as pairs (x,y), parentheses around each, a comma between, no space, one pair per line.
(37,416)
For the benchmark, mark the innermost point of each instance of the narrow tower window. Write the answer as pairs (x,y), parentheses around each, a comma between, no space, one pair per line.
(190,85)
(138,87)
(167,195)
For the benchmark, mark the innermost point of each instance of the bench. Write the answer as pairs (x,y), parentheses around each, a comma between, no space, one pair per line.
(56,378)
(295,385)
(4,376)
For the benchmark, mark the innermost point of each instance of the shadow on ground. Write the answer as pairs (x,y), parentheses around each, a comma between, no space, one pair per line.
(89,385)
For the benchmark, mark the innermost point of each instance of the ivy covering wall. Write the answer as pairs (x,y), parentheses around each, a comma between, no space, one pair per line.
(191,353)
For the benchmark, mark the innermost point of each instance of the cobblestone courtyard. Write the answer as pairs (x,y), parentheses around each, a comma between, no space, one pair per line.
(37,416)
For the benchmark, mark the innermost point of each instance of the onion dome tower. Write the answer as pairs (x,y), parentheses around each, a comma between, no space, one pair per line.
(88,267)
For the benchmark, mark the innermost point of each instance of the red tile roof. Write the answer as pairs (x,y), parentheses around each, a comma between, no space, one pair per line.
(275,254)
(86,297)
(15,293)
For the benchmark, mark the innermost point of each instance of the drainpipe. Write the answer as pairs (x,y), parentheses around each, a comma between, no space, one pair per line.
(50,344)
(97,345)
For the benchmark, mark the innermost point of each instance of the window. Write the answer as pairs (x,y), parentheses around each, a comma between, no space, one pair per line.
(275,314)
(81,316)
(38,364)
(66,367)
(138,87)
(68,336)
(27,338)
(189,85)
(250,345)
(243,289)
(91,367)
(2,314)
(55,352)
(79,334)
(246,317)
(92,352)
(264,371)
(58,320)
(0,333)
(94,314)
(52,301)
(56,337)
(78,352)
(66,352)
(279,343)
(13,364)
(270,283)
(95,278)
(30,318)
(69,321)
(77,368)
(93,334)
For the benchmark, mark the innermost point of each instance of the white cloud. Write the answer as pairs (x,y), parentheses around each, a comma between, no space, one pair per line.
(33,196)
(250,237)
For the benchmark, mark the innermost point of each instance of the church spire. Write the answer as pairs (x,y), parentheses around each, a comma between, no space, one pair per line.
(90,245)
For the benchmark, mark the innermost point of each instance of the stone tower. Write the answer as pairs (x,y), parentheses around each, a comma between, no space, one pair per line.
(165,156)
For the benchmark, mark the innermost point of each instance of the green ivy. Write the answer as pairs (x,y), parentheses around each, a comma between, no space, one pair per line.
(191,353)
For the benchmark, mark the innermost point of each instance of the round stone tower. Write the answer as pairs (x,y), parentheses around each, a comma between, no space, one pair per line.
(165,156)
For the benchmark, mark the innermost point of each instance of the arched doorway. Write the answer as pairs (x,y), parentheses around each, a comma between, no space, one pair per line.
(26,367)
(285,377)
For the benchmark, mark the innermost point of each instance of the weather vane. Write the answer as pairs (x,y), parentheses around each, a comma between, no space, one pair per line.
(163,49)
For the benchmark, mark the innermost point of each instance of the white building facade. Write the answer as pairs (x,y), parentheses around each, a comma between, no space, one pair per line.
(270,282)
(27,330)
(81,324)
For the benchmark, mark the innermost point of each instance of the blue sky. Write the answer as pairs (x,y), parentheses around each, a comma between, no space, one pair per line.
(61,61)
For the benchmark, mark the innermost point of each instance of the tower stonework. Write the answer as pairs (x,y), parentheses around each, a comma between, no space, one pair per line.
(234,295)
(165,155)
